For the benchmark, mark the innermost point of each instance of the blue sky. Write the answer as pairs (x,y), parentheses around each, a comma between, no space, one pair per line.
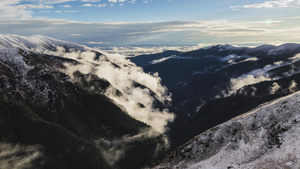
(154,22)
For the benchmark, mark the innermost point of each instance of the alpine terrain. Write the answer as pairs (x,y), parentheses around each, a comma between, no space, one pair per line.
(64,105)
(265,137)
(214,84)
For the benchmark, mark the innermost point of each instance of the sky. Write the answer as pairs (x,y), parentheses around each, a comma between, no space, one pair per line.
(154,22)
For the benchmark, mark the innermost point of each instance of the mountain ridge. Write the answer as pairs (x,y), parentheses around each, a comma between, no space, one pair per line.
(208,83)
(54,99)
(264,137)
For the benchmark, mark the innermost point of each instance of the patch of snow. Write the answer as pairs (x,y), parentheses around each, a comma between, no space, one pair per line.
(184,57)
(11,55)
(295,58)
(170,57)
(199,72)
(160,60)
(250,59)
(181,83)
(230,57)
(225,47)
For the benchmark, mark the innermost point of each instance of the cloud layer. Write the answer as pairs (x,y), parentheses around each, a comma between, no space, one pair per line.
(135,91)
(271,4)
(160,33)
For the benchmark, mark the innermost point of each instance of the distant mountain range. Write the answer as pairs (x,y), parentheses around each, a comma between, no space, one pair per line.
(214,84)
(64,105)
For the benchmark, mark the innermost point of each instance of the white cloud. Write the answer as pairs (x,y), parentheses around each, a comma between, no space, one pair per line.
(130,51)
(120,1)
(75,34)
(91,5)
(96,42)
(65,6)
(253,77)
(44,11)
(250,59)
(271,4)
(295,58)
(8,11)
(162,33)
(90,0)
(52,1)
(247,79)
(57,11)
(101,5)
(29,6)
(87,5)
(123,75)
(123,79)
(273,89)
(68,11)
(117,148)
(293,86)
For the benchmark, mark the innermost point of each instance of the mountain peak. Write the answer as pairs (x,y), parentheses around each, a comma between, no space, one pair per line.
(222,47)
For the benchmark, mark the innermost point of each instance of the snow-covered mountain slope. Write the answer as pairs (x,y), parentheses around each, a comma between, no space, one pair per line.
(96,110)
(266,137)
(36,43)
(113,68)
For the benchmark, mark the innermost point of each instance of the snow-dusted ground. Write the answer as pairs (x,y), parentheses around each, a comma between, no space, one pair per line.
(35,42)
(266,137)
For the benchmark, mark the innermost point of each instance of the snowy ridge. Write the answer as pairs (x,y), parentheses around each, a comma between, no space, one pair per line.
(290,47)
(266,137)
(226,47)
(221,47)
(35,42)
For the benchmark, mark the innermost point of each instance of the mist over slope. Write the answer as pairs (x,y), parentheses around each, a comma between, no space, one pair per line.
(266,137)
(81,108)
(122,75)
